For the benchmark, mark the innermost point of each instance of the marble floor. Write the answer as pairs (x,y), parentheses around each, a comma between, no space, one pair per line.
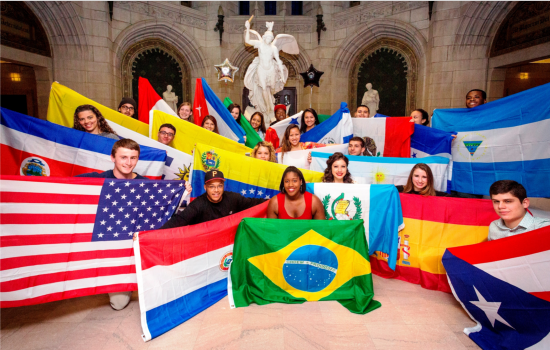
(410,318)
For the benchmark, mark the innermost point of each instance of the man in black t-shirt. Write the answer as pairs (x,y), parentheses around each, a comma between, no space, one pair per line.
(213,204)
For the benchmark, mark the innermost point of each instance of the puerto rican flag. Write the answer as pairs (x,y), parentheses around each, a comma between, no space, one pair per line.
(31,146)
(183,271)
(207,103)
(504,285)
(391,136)
(276,132)
(150,101)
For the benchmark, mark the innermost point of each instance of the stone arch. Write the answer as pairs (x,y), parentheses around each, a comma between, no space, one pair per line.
(141,47)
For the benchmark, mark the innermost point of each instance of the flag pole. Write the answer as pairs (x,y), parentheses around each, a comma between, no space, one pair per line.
(310,94)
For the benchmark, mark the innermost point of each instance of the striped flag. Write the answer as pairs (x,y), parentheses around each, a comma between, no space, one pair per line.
(69,237)
(299,158)
(276,132)
(150,101)
(385,137)
(336,129)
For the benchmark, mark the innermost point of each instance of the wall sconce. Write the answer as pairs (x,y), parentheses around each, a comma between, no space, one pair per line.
(219,25)
(320,24)
(524,75)
(15,76)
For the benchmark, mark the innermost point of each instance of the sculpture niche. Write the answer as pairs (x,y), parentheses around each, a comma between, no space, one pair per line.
(170,98)
(267,75)
(371,99)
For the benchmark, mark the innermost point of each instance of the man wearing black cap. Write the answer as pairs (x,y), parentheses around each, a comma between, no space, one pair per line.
(128,107)
(213,204)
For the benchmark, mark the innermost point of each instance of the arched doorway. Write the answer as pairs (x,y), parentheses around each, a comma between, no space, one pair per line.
(386,70)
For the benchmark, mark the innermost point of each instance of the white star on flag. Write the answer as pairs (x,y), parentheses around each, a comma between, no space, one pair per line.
(490,308)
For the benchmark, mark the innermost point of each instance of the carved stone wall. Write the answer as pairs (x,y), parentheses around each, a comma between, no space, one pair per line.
(177,14)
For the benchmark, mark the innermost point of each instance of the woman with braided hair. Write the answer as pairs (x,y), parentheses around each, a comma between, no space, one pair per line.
(89,119)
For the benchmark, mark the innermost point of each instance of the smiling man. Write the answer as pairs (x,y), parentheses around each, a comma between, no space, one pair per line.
(475,98)
(510,203)
(166,134)
(214,204)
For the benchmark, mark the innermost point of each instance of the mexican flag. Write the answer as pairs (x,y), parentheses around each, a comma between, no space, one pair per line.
(294,261)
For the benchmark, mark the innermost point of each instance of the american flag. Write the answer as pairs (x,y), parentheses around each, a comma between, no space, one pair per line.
(62,238)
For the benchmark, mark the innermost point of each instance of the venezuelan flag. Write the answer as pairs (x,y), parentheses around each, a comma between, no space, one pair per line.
(189,134)
(293,261)
(433,224)
(246,175)
(63,103)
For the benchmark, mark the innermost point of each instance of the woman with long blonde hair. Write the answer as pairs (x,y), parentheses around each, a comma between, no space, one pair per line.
(185,112)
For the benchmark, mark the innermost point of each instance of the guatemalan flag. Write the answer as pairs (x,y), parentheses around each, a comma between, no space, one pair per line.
(507,139)
(377,205)
(385,137)
(504,285)
(336,129)
(150,101)
(183,271)
(207,103)
(31,146)
(276,132)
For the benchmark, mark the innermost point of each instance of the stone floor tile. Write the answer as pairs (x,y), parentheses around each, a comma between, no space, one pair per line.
(222,313)
(40,336)
(305,336)
(395,337)
(183,337)
(439,336)
(262,336)
(14,333)
(264,316)
(218,336)
(465,340)
(89,336)
(349,336)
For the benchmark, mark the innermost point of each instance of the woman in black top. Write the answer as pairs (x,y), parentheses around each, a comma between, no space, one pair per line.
(421,181)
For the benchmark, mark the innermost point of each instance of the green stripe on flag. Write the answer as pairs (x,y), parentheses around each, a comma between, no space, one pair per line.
(252,137)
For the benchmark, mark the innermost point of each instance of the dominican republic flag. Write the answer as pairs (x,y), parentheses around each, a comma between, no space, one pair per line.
(507,139)
(276,132)
(428,141)
(183,271)
(336,129)
(377,205)
(299,158)
(504,286)
(70,237)
(383,170)
(150,101)
(207,103)
(385,137)
(31,146)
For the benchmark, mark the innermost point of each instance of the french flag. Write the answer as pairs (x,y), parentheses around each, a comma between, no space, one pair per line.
(31,146)
(336,129)
(504,286)
(276,132)
(183,271)
(150,101)
(207,103)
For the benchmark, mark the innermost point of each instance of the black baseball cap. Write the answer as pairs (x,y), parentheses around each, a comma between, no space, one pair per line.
(213,175)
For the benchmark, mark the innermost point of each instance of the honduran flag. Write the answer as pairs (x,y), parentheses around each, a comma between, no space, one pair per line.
(504,286)
(336,129)
(276,132)
(385,170)
(385,137)
(183,271)
(207,103)
(507,139)
(31,146)
(150,101)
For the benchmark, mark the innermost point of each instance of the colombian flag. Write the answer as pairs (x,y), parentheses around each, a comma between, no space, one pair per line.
(248,176)
(293,261)
(433,224)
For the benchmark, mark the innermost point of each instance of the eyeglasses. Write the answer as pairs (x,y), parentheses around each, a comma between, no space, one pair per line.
(164,133)
(127,108)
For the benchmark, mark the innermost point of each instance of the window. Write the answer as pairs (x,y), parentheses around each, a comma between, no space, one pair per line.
(244,8)
(270,8)
(297,8)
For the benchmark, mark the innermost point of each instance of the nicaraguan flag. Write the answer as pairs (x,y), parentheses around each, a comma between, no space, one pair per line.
(385,137)
(507,139)
(504,286)
(386,170)
(53,150)
(336,129)
(377,205)
(183,271)
(207,103)
(428,141)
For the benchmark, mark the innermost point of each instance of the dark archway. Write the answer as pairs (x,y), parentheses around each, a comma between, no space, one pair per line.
(386,70)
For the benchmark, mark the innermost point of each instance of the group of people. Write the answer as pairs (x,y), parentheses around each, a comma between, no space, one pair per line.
(293,202)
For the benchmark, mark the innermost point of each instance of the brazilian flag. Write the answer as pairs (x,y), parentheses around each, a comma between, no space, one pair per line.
(293,261)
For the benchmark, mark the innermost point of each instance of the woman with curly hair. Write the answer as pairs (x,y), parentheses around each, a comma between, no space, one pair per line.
(264,151)
(184,112)
(337,169)
(89,119)
(210,124)
(421,181)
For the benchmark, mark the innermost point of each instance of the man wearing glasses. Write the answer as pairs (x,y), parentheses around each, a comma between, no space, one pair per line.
(166,134)
(128,106)
(213,204)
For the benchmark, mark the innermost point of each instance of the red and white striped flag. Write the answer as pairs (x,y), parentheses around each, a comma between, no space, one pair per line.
(150,101)
(62,238)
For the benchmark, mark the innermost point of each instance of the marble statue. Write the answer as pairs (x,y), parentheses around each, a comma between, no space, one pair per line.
(371,99)
(170,98)
(267,75)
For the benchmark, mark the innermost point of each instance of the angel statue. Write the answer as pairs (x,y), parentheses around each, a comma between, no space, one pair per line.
(267,75)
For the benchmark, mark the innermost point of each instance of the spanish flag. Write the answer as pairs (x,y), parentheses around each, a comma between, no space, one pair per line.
(293,261)
(64,101)
(433,224)
(189,134)
(246,175)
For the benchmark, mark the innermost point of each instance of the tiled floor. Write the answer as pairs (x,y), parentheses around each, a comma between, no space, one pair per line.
(410,318)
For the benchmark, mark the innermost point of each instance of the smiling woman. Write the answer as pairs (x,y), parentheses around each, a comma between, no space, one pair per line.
(89,119)
(421,181)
